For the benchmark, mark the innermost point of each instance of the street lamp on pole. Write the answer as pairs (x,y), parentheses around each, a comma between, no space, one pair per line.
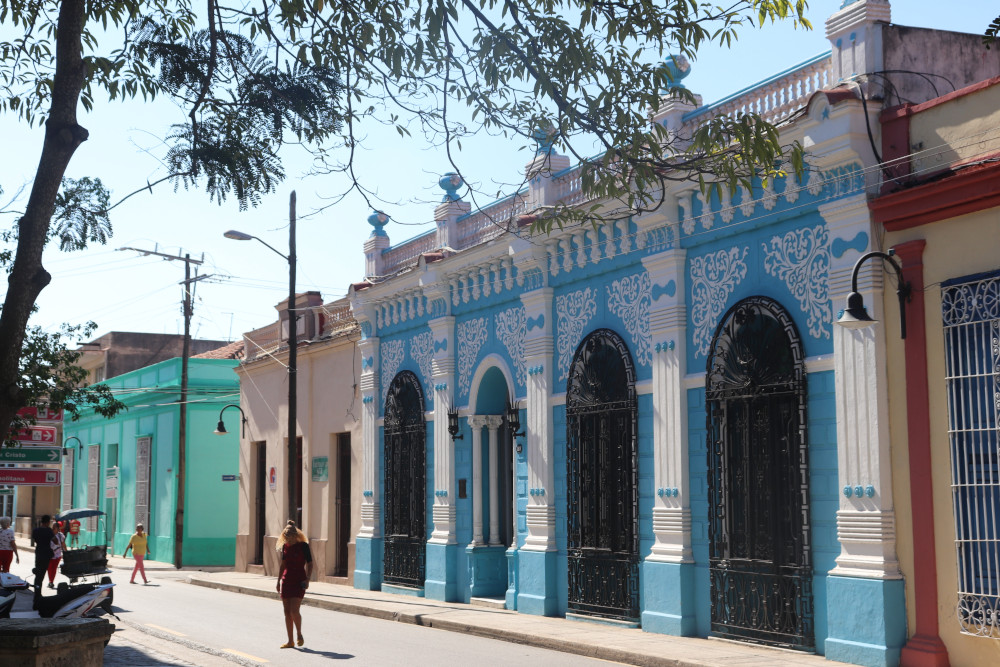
(293,450)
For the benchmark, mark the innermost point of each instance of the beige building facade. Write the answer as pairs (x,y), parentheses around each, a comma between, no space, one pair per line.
(329,428)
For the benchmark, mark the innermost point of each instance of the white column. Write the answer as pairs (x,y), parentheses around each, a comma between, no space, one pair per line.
(370,512)
(493,422)
(476,424)
(866,520)
(667,325)
(540,512)
(443,376)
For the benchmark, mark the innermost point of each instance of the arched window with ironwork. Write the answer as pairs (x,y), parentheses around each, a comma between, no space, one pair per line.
(405,482)
(760,562)
(602,479)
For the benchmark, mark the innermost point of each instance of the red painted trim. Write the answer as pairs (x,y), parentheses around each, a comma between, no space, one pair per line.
(925,648)
(972,189)
(910,109)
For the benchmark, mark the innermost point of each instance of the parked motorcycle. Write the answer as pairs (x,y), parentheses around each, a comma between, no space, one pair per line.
(77,601)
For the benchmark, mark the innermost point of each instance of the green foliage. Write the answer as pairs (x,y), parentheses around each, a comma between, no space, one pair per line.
(50,377)
(81,214)
(252,77)
(990,36)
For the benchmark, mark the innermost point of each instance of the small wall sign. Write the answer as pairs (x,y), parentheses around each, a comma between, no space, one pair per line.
(320,468)
(272,478)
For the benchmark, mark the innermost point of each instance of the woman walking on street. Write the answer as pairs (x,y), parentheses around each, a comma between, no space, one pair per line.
(139,544)
(8,548)
(293,577)
(58,542)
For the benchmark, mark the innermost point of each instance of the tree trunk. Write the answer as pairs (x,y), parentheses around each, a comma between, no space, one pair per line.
(62,137)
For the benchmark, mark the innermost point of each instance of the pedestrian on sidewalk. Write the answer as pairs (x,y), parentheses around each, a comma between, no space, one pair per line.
(74,533)
(8,547)
(58,542)
(42,536)
(293,577)
(139,544)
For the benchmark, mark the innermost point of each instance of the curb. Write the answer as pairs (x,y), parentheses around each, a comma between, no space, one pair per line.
(487,632)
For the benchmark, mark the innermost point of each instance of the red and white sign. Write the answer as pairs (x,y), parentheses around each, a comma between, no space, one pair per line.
(36,435)
(272,478)
(41,414)
(30,477)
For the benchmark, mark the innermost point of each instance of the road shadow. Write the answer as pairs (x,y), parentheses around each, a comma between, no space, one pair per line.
(329,655)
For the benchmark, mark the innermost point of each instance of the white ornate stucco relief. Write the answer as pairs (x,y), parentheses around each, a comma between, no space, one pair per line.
(471,337)
(392,352)
(511,327)
(801,259)
(573,312)
(422,351)
(713,278)
(630,299)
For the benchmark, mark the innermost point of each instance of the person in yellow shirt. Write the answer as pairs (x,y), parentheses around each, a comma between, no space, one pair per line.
(139,544)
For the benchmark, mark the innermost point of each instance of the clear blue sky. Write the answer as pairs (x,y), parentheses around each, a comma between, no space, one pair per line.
(122,290)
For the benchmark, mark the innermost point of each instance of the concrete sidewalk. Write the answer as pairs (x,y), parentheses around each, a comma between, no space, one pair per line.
(118,562)
(591,639)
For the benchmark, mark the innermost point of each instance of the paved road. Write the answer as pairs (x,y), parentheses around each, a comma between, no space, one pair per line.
(171,622)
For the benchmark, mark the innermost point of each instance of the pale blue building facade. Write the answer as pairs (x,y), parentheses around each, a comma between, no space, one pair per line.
(697,450)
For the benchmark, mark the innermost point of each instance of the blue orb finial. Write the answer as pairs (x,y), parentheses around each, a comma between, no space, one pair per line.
(450,183)
(378,220)
(678,67)
(545,136)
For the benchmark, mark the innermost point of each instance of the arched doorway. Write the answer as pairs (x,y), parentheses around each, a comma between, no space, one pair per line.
(602,479)
(759,559)
(405,486)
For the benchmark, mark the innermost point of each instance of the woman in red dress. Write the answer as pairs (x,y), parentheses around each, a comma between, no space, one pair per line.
(293,577)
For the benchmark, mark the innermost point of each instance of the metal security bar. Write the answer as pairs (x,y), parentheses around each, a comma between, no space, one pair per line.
(405,482)
(760,562)
(602,479)
(971,319)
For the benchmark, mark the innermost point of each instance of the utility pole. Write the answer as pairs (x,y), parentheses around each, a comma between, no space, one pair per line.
(293,324)
(182,428)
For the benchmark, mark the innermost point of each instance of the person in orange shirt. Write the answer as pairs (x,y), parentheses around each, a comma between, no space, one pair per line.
(74,532)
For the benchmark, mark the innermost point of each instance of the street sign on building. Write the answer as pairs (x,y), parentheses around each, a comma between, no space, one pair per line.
(29,477)
(36,435)
(30,455)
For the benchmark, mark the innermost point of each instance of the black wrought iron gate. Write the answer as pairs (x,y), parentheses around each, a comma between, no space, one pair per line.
(602,484)
(759,560)
(405,473)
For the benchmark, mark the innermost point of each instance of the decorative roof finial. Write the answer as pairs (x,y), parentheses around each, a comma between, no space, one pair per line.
(677,67)
(545,136)
(450,183)
(378,220)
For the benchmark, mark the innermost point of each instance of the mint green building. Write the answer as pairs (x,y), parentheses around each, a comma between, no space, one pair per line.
(128,465)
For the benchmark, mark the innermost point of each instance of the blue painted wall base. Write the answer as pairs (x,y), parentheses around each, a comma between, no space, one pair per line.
(537,583)
(867,620)
(487,571)
(368,563)
(441,578)
(510,599)
(403,590)
(668,595)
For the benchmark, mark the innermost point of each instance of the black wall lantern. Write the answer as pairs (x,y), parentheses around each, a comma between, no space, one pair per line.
(855,315)
(514,421)
(221,428)
(453,425)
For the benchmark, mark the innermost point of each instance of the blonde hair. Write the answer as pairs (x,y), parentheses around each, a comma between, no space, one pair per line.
(291,531)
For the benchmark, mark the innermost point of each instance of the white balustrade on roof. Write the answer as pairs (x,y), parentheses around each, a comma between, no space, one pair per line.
(774,100)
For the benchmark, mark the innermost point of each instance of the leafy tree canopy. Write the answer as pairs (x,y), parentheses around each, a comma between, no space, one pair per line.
(253,77)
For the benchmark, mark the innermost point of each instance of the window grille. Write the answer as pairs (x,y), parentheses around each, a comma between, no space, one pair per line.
(67,480)
(93,482)
(971,319)
(143,459)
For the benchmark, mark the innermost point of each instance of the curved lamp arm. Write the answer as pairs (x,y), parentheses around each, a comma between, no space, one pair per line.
(855,315)
(79,447)
(221,428)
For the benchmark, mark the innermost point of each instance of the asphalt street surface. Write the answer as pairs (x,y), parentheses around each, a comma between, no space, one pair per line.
(170,622)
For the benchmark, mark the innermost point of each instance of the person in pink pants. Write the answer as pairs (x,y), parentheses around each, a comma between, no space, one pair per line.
(139,544)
